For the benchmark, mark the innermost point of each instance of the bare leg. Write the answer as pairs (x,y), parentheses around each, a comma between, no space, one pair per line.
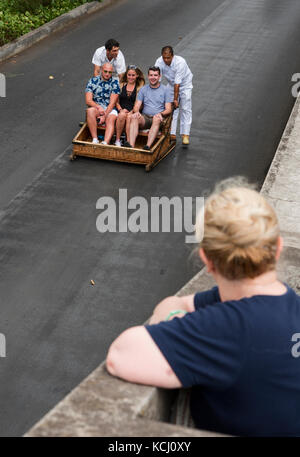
(135,125)
(153,131)
(110,127)
(128,123)
(127,126)
(121,119)
(91,118)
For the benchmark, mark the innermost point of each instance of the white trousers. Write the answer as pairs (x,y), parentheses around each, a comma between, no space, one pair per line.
(185,110)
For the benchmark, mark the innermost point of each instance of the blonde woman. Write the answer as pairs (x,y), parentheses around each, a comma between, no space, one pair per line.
(130,83)
(232,344)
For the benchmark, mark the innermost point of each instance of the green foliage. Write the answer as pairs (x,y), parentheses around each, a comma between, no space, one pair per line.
(32,6)
(18,17)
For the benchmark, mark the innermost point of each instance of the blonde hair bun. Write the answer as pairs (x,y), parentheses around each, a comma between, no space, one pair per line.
(240,232)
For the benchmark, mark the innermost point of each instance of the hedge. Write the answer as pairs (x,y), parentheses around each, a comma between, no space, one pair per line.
(18,17)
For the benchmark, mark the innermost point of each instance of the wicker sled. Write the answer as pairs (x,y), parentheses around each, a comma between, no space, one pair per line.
(162,146)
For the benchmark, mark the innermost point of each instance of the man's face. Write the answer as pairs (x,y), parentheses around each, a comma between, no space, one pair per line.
(106,72)
(153,77)
(167,57)
(113,53)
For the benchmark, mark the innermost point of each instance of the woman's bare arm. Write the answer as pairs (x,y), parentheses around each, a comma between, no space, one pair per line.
(135,357)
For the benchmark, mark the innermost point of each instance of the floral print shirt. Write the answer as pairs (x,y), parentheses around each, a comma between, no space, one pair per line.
(102,89)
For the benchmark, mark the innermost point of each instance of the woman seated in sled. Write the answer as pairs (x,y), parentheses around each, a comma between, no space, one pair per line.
(130,84)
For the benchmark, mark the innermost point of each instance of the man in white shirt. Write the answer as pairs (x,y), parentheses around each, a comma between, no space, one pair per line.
(179,76)
(109,53)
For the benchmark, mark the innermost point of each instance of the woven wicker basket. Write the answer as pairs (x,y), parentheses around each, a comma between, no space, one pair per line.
(162,146)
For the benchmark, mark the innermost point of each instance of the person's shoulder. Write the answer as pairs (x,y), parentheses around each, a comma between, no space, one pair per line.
(290,299)
(115,85)
(232,314)
(159,61)
(223,318)
(164,87)
(99,56)
(94,80)
(292,293)
(142,93)
(166,90)
(144,88)
(179,60)
(207,297)
(100,50)
(258,305)
(120,55)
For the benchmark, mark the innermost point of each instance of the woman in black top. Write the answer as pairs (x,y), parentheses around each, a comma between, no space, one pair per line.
(131,82)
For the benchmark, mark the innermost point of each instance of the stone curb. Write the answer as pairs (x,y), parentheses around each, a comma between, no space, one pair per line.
(283,149)
(281,188)
(30,38)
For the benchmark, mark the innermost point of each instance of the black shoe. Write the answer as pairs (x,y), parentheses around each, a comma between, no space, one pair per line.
(146,148)
(127,144)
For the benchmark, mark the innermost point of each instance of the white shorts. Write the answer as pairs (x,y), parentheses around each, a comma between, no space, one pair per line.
(100,118)
(114,112)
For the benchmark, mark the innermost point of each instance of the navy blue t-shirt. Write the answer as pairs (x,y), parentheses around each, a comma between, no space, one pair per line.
(241,357)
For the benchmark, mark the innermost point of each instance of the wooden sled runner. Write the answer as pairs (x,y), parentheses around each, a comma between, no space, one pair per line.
(162,146)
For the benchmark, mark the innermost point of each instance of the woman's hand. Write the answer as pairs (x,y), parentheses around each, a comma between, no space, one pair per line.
(169,304)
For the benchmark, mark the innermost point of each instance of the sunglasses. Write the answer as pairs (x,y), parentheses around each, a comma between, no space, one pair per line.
(106,71)
(132,67)
(153,68)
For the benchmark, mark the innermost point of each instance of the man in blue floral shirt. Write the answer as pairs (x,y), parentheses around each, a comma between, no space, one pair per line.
(101,96)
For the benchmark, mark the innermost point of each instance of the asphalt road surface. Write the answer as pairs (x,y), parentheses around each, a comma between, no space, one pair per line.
(57,325)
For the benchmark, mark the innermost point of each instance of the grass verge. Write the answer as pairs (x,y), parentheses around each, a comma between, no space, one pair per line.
(18,17)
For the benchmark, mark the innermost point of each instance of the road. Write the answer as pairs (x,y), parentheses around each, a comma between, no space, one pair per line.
(57,325)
